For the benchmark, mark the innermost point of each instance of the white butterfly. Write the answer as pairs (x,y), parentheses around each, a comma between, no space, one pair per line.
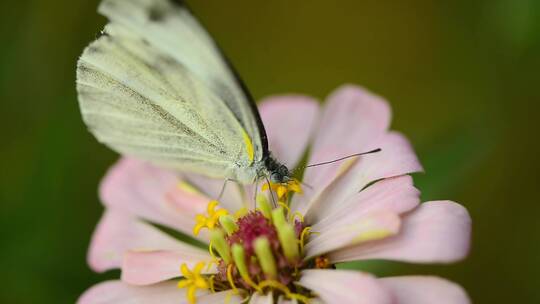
(156,86)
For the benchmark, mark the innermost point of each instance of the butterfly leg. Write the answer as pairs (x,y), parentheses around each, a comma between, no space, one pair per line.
(223,187)
(256,186)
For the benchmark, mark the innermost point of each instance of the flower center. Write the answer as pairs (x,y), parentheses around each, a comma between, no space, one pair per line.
(255,251)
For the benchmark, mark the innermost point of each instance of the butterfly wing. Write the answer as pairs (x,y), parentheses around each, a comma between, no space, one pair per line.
(155,86)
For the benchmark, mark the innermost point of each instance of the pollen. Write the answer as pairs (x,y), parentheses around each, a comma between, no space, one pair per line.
(322,262)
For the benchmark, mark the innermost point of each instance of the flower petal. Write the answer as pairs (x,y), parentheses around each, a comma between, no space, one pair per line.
(436,232)
(352,120)
(149,267)
(283,300)
(368,228)
(220,297)
(258,298)
(231,199)
(425,290)
(151,193)
(118,292)
(340,286)
(395,159)
(118,232)
(289,122)
(396,195)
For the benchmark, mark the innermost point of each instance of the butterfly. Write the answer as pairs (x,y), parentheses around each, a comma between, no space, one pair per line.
(156,86)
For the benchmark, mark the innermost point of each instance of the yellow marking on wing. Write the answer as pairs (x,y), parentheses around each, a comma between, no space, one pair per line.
(249,146)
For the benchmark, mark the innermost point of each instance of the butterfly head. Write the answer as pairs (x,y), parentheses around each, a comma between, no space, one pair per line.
(280,175)
(277,172)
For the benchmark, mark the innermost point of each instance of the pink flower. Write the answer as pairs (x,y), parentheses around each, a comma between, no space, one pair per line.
(359,209)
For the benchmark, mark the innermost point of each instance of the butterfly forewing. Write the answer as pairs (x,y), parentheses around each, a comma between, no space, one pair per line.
(155,86)
(170,27)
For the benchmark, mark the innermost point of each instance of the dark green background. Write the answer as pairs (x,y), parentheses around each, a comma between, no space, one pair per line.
(462,77)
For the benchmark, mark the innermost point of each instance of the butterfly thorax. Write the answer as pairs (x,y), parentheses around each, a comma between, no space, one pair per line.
(267,169)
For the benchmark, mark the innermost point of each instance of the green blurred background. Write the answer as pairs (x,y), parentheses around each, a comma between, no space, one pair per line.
(462,77)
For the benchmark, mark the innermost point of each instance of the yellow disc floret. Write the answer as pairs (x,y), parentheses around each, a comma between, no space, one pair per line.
(209,221)
(283,189)
(257,251)
(193,280)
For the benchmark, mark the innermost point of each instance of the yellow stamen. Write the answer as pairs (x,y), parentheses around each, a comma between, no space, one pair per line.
(193,280)
(211,220)
(305,232)
(282,189)
(298,215)
(282,204)
(230,279)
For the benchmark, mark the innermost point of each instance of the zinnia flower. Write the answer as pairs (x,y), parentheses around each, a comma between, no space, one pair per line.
(282,248)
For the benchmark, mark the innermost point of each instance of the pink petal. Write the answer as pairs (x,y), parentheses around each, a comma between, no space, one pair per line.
(227,297)
(117,292)
(289,122)
(436,232)
(149,267)
(258,298)
(367,228)
(394,195)
(231,199)
(283,300)
(352,120)
(396,158)
(425,290)
(118,232)
(151,193)
(340,286)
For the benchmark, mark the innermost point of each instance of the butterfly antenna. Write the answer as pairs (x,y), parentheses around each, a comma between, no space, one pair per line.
(307,185)
(344,158)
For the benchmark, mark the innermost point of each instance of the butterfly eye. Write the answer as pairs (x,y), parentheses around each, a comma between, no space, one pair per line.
(283,171)
(276,177)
